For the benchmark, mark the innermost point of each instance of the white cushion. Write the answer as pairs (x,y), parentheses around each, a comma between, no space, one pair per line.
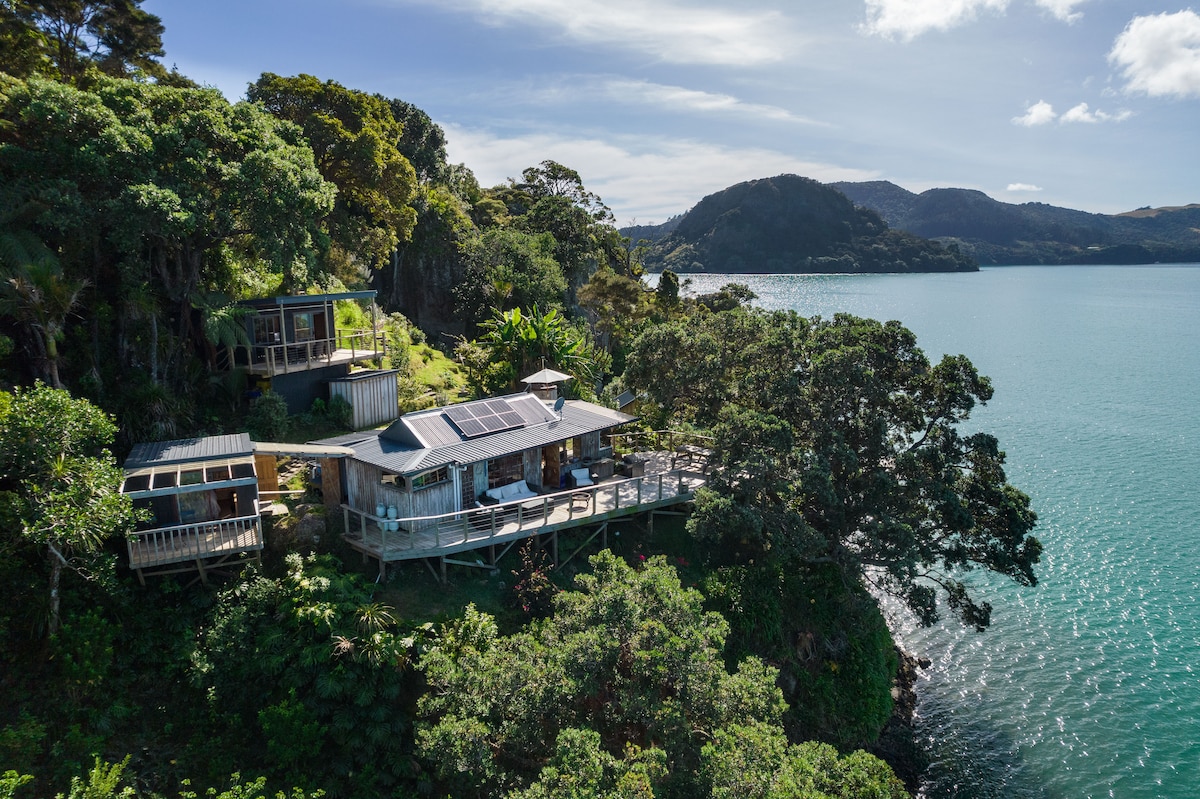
(581,477)
(520,488)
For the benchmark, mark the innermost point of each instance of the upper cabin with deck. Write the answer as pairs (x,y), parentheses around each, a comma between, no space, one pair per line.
(295,347)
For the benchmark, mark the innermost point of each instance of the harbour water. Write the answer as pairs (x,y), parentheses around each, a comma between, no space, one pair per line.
(1088,684)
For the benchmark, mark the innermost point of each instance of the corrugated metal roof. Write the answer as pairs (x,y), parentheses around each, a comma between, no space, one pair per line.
(186,450)
(307,299)
(577,419)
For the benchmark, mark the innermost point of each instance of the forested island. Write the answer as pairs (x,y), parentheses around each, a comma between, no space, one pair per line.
(789,225)
(739,650)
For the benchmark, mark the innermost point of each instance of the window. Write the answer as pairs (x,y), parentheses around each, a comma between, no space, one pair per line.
(509,469)
(303,323)
(266,329)
(430,478)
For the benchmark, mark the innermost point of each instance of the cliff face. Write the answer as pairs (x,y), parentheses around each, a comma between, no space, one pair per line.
(1033,233)
(793,224)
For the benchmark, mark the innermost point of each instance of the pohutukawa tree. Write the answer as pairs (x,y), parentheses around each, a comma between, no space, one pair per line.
(837,441)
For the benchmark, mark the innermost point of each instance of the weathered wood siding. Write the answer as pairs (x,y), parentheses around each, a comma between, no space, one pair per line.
(365,491)
(591,445)
(533,467)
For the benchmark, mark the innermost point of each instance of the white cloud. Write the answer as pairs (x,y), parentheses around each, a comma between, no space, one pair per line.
(907,19)
(682,99)
(639,178)
(1023,187)
(1040,113)
(1062,9)
(1159,55)
(1081,113)
(667,30)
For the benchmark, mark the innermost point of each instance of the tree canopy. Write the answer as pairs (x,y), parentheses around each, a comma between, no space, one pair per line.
(356,142)
(65,37)
(622,692)
(837,441)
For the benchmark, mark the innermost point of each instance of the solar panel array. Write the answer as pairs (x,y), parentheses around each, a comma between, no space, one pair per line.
(481,418)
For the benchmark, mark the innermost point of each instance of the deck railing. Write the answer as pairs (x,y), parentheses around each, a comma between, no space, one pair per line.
(301,355)
(478,525)
(675,441)
(197,540)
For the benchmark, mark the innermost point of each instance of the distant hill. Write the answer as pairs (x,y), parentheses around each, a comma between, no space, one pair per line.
(789,224)
(995,232)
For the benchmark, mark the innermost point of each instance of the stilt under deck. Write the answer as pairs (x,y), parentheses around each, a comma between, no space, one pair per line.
(502,525)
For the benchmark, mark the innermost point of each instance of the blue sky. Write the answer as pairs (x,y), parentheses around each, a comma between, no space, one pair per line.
(1089,104)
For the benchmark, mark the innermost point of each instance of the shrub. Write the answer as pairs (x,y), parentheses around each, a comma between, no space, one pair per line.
(268,418)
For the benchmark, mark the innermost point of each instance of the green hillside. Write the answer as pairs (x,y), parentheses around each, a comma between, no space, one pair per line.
(791,224)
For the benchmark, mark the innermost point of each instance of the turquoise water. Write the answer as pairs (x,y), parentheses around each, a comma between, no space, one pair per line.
(1087,685)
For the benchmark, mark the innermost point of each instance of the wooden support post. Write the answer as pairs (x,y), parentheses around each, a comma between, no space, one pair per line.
(200,567)
(443,561)
(554,547)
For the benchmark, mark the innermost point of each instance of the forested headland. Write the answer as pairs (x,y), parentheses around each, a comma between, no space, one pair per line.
(742,652)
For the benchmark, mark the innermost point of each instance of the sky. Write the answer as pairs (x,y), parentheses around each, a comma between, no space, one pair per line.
(1087,104)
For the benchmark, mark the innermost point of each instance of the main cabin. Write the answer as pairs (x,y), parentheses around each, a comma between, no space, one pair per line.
(445,460)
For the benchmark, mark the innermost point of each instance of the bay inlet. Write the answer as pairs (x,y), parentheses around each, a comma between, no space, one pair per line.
(1086,685)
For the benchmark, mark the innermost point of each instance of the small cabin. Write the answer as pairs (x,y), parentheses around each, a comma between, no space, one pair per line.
(445,460)
(201,496)
(294,347)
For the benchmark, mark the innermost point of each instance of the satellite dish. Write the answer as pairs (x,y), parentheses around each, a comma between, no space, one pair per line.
(558,405)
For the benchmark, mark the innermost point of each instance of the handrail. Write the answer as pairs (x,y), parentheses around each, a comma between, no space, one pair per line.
(656,436)
(363,343)
(183,539)
(492,518)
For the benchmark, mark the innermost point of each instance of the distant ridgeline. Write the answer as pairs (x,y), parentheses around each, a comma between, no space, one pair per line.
(1033,233)
(789,224)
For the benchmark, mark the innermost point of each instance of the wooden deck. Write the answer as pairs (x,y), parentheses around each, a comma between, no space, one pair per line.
(505,523)
(194,547)
(281,359)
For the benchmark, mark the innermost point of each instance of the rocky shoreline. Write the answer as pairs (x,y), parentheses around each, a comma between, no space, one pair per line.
(897,745)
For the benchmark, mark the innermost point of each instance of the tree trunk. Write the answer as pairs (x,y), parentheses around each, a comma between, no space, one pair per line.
(56,567)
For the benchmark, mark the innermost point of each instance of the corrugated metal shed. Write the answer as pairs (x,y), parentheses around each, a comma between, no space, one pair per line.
(186,450)
(372,396)
(578,418)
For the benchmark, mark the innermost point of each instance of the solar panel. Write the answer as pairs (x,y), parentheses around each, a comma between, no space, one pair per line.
(471,428)
(475,419)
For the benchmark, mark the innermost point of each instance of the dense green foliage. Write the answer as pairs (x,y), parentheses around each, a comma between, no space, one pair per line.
(837,442)
(793,224)
(1033,233)
(67,38)
(59,490)
(622,691)
(355,141)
